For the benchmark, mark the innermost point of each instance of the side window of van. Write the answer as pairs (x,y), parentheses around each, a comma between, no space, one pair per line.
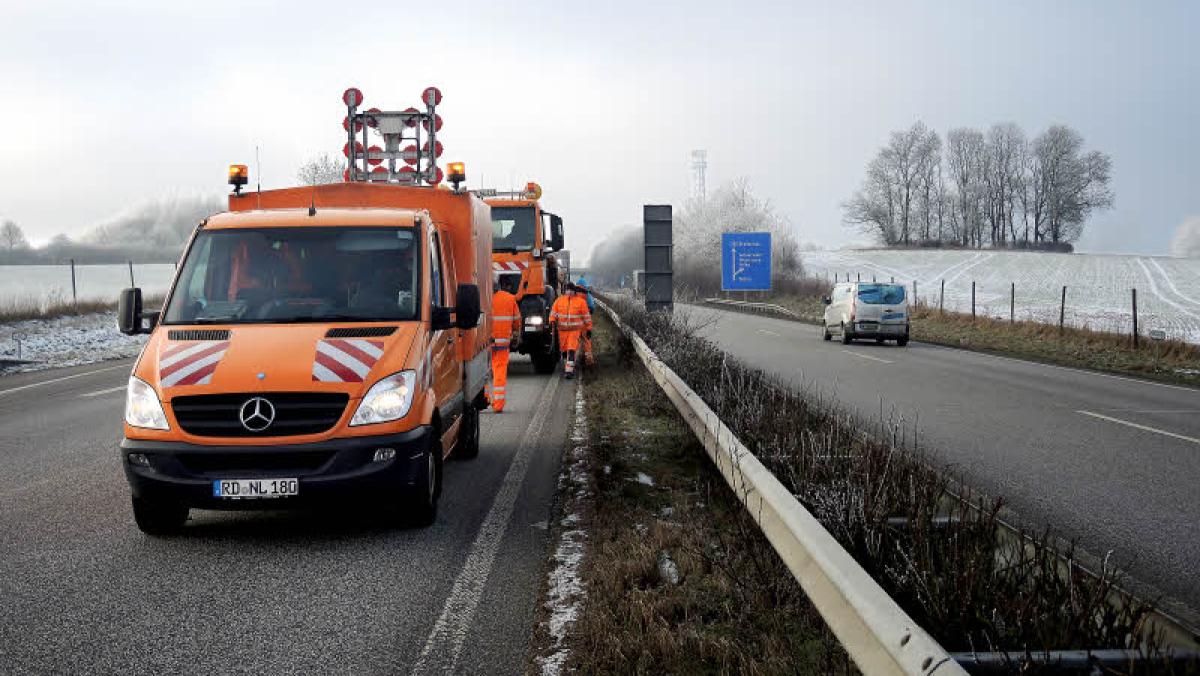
(435,272)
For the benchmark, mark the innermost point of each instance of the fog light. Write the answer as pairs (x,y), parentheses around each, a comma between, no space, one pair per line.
(139,459)
(384,454)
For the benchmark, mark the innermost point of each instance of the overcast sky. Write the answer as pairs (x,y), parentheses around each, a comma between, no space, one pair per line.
(106,106)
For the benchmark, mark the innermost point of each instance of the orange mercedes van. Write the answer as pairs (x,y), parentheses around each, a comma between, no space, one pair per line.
(317,344)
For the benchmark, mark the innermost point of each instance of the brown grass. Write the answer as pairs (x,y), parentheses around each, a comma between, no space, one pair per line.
(26,308)
(735,608)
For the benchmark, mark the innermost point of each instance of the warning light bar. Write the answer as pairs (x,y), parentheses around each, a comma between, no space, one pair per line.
(239,175)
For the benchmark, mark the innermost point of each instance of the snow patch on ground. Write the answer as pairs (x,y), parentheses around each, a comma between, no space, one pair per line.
(644,479)
(566,589)
(65,341)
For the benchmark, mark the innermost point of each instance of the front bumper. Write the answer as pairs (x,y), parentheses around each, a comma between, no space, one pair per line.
(338,470)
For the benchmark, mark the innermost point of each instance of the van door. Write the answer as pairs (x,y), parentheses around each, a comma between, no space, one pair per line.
(447,369)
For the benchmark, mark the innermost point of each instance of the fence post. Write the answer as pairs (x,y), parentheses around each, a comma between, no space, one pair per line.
(1062,309)
(942,298)
(74,293)
(872,279)
(1135,326)
(916,298)
(857,277)
(972,300)
(893,280)
(131,282)
(1012,304)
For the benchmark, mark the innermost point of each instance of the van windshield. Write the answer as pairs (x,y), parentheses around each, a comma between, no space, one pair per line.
(279,275)
(513,229)
(881,294)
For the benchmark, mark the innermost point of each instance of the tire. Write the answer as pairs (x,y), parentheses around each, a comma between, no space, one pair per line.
(544,363)
(157,517)
(418,508)
(846,337)
(879,341)
(825,335)
(901,342)
(467,447)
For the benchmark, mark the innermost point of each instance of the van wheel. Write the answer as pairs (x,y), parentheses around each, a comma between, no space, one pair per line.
(825,335)
(158,517)
(901,342)
(419,507)
(468,434)
(846,338)
(544,363)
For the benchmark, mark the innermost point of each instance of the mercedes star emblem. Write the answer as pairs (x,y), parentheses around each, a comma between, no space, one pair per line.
(257,414)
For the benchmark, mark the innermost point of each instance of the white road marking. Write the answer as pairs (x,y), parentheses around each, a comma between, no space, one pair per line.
(97,393)
(445,641)
(767,332)
(865,356)
(59,380)
(1145,428)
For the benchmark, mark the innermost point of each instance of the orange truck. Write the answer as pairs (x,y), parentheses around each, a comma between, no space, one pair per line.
(524,237)
(321,343)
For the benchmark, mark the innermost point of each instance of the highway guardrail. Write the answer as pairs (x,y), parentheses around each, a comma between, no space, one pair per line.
(875,631)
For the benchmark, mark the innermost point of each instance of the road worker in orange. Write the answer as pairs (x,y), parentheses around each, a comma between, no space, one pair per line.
(506,322)
(571,317)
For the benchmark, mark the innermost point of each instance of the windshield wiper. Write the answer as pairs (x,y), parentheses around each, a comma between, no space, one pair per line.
(330,318)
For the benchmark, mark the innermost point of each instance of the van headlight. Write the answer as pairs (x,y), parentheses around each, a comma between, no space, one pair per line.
(142,407)
(388,399)
(535,320)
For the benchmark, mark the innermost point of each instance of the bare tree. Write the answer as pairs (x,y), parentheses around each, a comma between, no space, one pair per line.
(1002,177)
(320,169)
(965,154)
(890,198)
(12,237)
(1073,185)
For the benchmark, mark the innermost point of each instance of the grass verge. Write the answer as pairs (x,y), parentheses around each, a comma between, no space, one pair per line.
(678,578)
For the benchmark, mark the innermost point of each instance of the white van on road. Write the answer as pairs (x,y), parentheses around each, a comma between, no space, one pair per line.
(867,310)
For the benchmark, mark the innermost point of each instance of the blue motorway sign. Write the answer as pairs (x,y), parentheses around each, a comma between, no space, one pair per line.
(746,261)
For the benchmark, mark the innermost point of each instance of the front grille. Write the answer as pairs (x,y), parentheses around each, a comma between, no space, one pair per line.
(218,415)
(225,463)
(360,331)
(198,334)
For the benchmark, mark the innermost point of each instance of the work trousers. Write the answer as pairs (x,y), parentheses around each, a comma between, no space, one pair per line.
(499,377)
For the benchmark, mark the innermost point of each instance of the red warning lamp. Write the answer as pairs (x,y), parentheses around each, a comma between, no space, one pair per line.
(410,152)
(437,176)
(352,97)
(432,96)
(372,122)
(239,175)
(411,122)
(358,149)
(437,123)
(346,125)
(374,161)
(457,174)
(379,175)
(533,191)
(437,149)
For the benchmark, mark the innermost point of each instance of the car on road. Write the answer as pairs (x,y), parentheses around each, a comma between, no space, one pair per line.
(867,310)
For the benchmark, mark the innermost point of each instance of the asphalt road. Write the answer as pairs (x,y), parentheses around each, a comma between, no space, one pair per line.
(1109,461)
(82,590)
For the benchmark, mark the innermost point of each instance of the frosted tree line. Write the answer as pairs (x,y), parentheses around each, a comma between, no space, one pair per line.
(995,188)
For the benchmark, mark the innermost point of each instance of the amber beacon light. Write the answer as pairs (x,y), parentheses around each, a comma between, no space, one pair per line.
(457,173)
(239,176)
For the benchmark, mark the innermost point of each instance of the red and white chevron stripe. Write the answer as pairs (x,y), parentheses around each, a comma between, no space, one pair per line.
(509,266)
(345,360)
(190,362)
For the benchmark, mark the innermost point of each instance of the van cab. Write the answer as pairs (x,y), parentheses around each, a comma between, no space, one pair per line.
(318,345)
(867,310)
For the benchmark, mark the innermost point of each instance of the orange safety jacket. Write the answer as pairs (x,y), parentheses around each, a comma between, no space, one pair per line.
(570,313)
(506,318)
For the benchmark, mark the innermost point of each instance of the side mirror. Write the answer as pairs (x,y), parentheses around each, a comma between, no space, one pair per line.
(469,307)
(440,319)
(827,300)
(556,233)
(129,312)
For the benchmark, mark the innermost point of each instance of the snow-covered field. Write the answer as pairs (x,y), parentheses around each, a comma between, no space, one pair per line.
(1098,285)
(65,341)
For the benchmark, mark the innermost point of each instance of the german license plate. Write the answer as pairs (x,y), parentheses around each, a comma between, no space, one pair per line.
(255,488)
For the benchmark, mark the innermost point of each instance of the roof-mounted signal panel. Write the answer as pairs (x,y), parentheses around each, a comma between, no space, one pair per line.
(410,149)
